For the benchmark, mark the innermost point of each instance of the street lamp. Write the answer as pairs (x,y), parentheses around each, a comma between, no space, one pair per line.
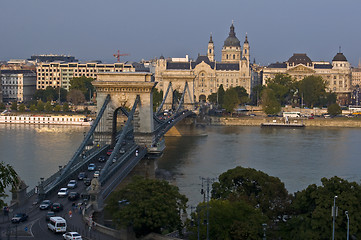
(334,212)
(348,225)
(264,225)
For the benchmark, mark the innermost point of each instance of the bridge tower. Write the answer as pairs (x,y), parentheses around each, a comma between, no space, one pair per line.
(179,78)
(123,89)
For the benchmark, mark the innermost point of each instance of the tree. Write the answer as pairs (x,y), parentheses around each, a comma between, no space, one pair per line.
(32,107)
(63,94)
(231,100)
(8,177)
(75,96)
(283,87)
(256,94)
(48,107)
(334,109)
(2,106)
(65,107)
(227,220)
(270,104)
(153,206)
(14,106)
(22,107)
(157,99)
(221,94)
(256,188)
(312,89)
(242,95)
(57,108)
(40,106)
(83,84)
(212,98)
(311,217)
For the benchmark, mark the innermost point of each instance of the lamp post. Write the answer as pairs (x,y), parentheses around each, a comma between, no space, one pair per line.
(333,217)
(264,225)
(348,225)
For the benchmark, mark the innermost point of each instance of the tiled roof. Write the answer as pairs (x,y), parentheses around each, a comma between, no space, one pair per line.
(322,66)
(277,65)
(227,66)
(178,65)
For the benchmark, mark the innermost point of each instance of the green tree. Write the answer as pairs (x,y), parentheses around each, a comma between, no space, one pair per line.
(75,96)
(14,106)
(2,106)
(63,94)
(256,94)
(32,107)
(57,108)
(48,107)
(8,178)
(312,89)
(270,104)
(242,95)
(157,98)
(154,206)
(212,98)
(255,187)
(65,107)
(334,109)
(283,87)
(22,107)
(83,84)
(231,100)
(311,218)
(40,106)
(227,220)
(221,94)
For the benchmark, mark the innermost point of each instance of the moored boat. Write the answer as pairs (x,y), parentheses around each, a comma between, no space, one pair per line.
(79,120)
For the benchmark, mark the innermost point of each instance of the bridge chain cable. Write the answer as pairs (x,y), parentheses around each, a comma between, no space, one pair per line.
(165,97)
(84,143)
(115,151)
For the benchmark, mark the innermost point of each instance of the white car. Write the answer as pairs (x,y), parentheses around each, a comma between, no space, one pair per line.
(72,235)
(96,174)
(72,184)
(63,192)
(91,167)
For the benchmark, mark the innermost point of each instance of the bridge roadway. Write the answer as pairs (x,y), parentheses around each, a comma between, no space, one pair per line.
(36,226)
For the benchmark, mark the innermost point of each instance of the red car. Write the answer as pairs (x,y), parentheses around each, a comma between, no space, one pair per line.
(109,152)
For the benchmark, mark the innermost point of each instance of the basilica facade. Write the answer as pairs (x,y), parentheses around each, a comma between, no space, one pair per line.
(205,74)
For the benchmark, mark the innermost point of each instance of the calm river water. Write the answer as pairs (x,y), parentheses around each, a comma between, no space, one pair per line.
(299,157)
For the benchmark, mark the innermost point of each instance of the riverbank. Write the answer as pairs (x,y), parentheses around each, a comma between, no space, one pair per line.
(316,122)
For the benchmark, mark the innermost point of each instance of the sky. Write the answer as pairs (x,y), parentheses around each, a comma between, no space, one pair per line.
(95,30)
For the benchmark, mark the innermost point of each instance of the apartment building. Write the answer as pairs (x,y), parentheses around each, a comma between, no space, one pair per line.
(18,85)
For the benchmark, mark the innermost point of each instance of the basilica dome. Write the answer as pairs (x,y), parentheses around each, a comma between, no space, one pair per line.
(232,40)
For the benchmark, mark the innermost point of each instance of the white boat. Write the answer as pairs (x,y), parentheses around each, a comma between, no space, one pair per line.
(79,120)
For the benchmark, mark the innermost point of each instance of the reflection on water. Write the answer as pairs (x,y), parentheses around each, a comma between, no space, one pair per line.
(37,151)
(299,157)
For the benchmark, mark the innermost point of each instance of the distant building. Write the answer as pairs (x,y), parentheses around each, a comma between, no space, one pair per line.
(59,73)
(205,75)
(336,74)
(18,85)
(356,75)
(52,58)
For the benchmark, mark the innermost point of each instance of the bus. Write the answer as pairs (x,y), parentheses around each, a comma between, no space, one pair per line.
(292,114)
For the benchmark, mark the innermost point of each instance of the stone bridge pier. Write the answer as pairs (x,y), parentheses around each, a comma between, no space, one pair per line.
(123,89)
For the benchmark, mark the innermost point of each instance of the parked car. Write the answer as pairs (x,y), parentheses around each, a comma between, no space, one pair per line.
(19,217)
(82,175)
(72,235)
(101,158)
(87,181)
(72,184)
(46,204)
(57,207)
(91,167)
(96,174)
(73,196)
(49,215)
(63,192)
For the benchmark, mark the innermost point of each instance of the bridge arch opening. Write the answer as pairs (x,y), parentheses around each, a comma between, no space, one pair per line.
(124,111)
(202,98)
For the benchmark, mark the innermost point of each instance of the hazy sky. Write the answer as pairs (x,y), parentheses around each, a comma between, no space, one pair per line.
(95,30)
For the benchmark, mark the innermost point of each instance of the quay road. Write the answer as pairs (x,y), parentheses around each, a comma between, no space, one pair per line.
(36,226)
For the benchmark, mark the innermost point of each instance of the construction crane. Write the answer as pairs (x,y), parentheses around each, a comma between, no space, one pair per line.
(118,55)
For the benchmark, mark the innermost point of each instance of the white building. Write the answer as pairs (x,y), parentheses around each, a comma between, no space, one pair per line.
(18,85)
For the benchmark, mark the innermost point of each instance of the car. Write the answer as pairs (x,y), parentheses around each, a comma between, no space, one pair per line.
(49,215)
(82,175)
(109,152)
(87,181)
(46,204)
(72,235)
(101,158)
(63,192)
(73,196)
(72,184)
(96,174)
(91,167)
(122,150)
(57,207)
(19,217)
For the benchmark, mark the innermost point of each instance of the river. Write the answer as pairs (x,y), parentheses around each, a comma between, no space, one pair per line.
(299,157)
